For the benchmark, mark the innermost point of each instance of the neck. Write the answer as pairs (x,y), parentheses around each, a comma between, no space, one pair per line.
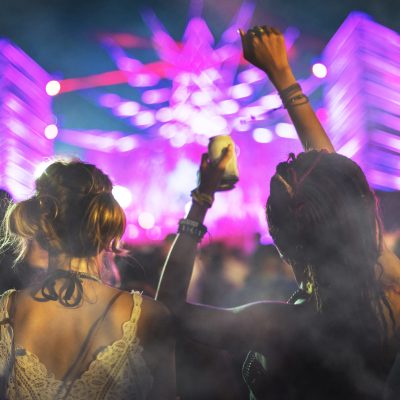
(84,265)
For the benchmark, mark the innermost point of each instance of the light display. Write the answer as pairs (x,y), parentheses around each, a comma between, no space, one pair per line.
(25,112)
(195,89)
(362,97)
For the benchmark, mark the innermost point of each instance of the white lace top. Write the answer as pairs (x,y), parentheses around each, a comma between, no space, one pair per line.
(118,371)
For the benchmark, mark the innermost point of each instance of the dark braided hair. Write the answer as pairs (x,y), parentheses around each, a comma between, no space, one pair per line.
(324,219)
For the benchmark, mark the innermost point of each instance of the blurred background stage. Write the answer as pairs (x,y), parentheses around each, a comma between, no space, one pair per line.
(138,88)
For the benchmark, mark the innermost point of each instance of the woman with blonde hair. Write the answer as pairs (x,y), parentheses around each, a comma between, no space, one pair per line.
(70,335)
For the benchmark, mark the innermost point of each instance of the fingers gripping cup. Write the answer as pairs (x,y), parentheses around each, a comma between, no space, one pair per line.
(216,146)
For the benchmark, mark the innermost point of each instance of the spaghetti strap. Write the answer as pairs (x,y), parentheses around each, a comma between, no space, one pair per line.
(136,307)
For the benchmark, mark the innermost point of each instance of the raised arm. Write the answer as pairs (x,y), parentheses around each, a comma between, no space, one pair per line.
(265,48)
(231,329)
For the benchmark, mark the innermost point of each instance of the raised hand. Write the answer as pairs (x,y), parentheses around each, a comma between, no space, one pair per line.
(265,48)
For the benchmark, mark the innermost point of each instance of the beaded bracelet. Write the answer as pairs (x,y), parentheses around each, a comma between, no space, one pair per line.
(193,228)
(202,198)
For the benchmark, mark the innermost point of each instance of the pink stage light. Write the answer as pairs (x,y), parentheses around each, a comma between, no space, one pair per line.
(262,135)
(241,90)
(144,118)
(285,130)
(53,88)
(127,109)
(251,75)
(122,195)
(164,114)
(146,220)
(51,131)
(126,143)
(156,96)
(228,107)
(319,70)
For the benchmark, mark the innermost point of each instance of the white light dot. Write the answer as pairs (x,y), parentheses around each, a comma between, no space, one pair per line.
(285,130)
(126,143)
(122,195)
(144,119)
(319,70)
(51,131)
(127,109)
(53,88)
(228,107)
(262,135)
(241,90)
(146,220)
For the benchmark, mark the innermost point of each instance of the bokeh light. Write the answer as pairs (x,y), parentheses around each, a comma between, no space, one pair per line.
(123,195)
(53,88)
(146,220)
(319,70)
(51,131)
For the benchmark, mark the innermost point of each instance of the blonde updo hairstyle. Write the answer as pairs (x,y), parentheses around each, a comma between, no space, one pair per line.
(73,213)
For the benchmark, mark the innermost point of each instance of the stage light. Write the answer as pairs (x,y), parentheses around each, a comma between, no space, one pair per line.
(179,139)
(319,70)
(144,119)
(164,114)
(228,107)
(51,131)
(127,109)
(200,98)
(122,195)
(241,90)
(271,101)
(126,143)
(262,135)
(146,220)
(156,96)
(286,131)
(132,231)
(251,75)
(53,88)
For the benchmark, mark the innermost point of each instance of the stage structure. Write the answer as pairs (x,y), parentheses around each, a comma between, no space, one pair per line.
(363,97)
(25,116)
(197,88)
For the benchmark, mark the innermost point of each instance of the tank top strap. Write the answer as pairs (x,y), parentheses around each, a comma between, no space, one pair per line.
(137,307)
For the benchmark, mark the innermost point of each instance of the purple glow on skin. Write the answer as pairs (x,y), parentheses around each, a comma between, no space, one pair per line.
(362,97)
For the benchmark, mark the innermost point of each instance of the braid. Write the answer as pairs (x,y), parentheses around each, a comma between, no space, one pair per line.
(322,215)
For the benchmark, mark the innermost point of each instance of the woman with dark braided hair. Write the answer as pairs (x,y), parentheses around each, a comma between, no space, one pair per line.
(336,338)
(70,336)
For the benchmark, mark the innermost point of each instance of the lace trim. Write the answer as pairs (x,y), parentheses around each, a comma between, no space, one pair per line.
(117,371)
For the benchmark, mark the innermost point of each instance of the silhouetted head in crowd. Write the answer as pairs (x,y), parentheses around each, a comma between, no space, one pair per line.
(73,213)
(323,218)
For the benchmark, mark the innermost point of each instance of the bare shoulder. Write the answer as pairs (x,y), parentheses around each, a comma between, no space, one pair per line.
(155,320)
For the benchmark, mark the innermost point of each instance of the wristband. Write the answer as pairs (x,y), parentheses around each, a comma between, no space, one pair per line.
(193,228)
